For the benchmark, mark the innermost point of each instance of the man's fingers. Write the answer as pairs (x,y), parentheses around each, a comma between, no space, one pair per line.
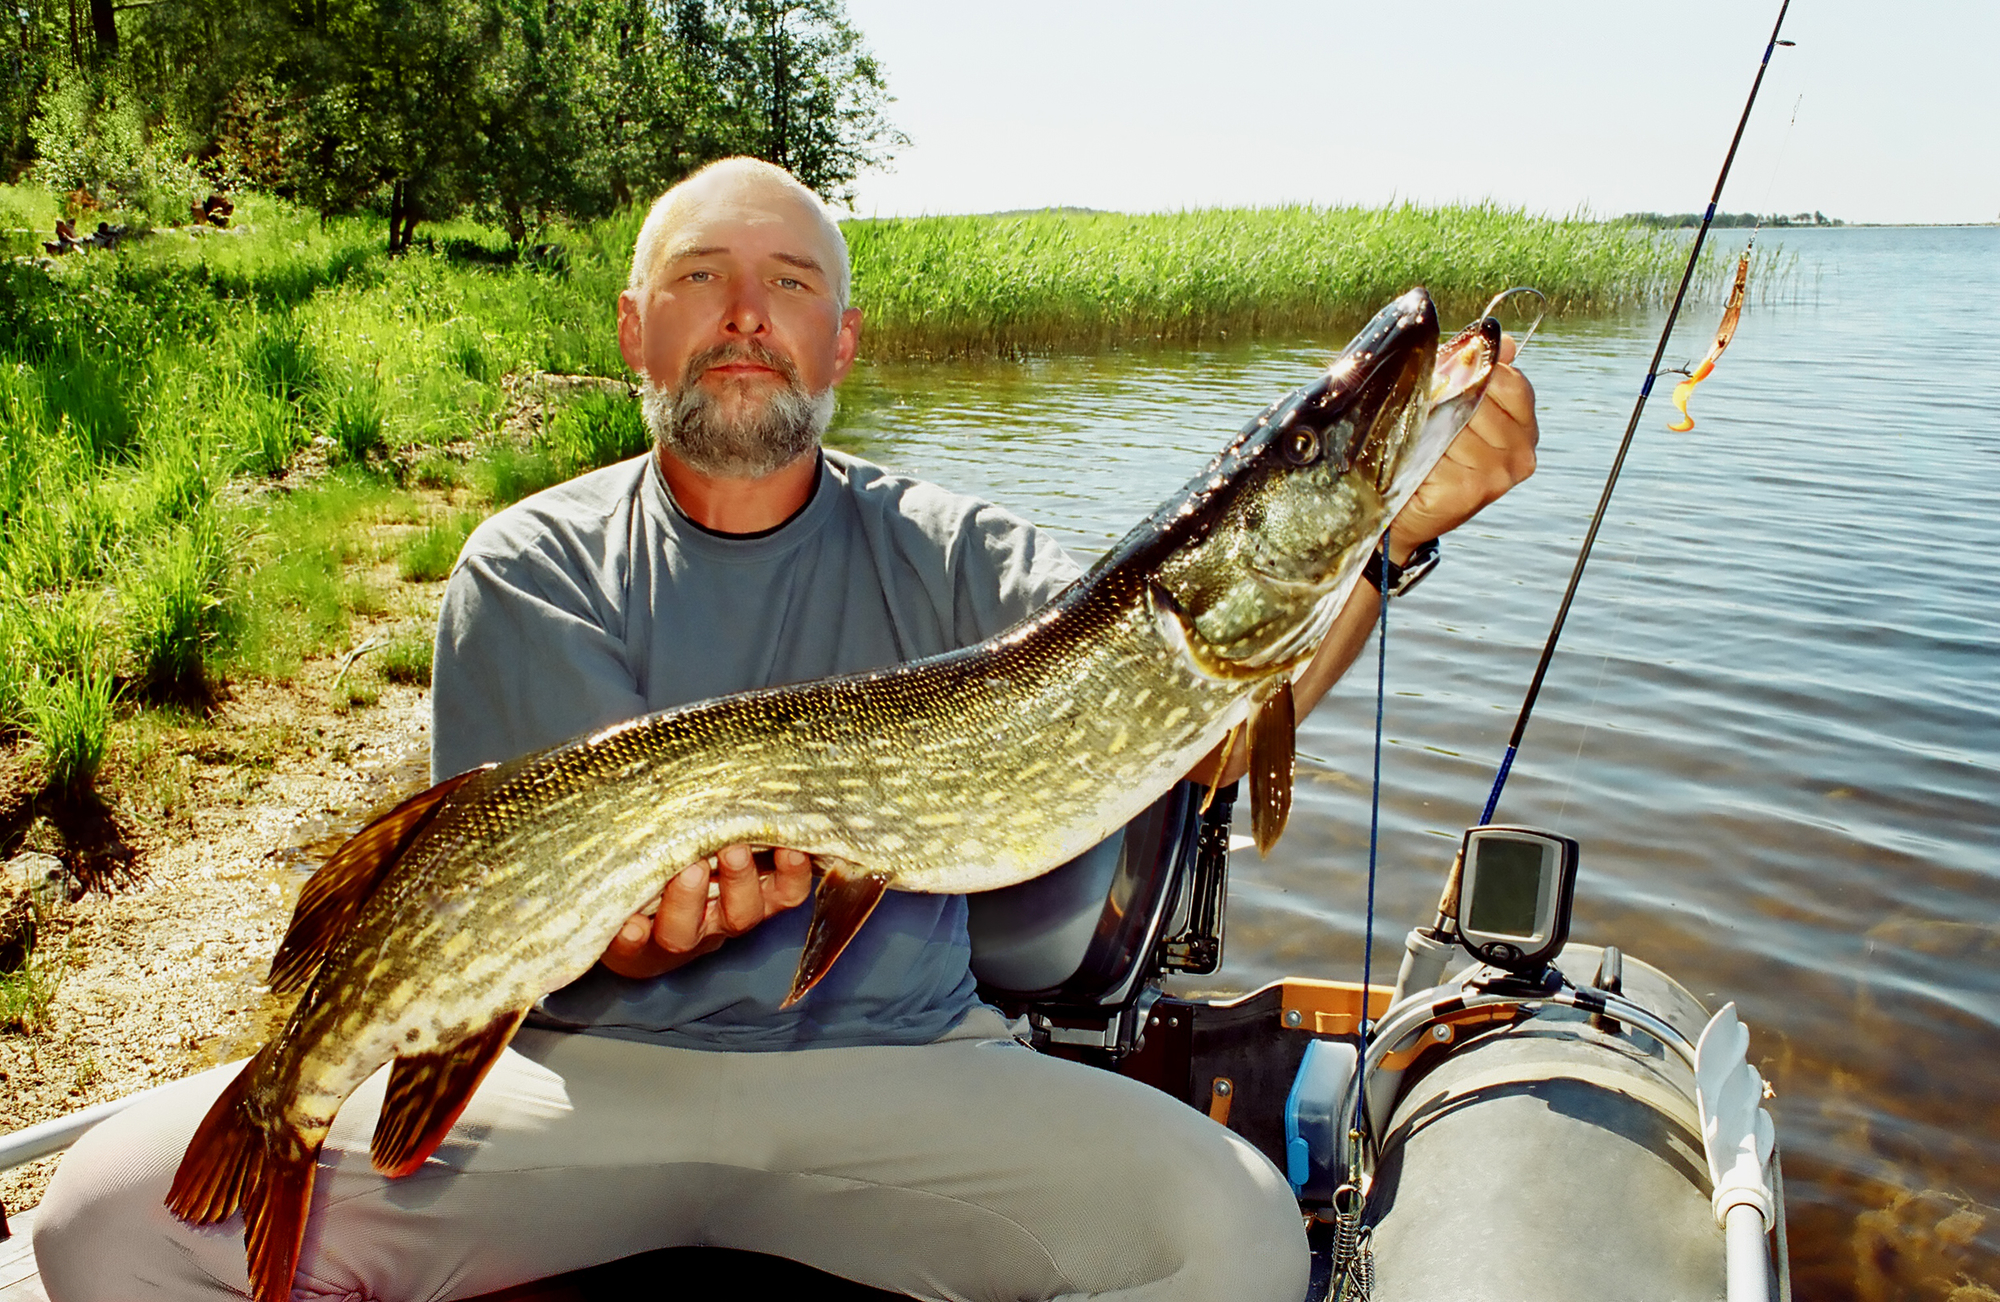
(740,899)
(1506,416)
(677,927)
(790,881)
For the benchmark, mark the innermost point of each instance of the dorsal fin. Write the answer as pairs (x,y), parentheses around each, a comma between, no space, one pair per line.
(428,1091)
(334,895)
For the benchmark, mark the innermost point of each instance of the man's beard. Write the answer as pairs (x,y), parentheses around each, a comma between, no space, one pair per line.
(689,421)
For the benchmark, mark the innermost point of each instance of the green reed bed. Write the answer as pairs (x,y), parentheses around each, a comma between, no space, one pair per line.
(1058,280)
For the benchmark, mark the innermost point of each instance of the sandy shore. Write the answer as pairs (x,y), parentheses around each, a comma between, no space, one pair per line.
(164,977)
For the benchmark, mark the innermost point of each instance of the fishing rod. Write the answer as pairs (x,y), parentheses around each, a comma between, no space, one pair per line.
(1448,905)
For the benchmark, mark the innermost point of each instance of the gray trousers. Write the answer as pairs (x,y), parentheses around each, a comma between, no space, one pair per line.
(969,1168)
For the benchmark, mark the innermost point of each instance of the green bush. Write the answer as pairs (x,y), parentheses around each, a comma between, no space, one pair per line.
(407,659)
(509,474)
(174,611)
(429,555)
(597,430)
(355,420)
(91,134)
(28,992)
(283,361)
(268,437)
(89,397)
(292,598)
(435,469)
(70,719)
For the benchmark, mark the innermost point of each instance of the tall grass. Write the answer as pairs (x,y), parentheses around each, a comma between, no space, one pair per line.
(1058,280)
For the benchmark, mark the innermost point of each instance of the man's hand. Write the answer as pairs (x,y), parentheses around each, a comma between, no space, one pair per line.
(1492,454)
(691,919)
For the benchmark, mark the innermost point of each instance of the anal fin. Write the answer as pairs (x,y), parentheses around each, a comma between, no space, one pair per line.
(1273,738)
(843,901)
(334,895)
(427,1093)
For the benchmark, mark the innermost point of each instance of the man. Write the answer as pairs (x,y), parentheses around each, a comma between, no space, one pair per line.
(887,1128)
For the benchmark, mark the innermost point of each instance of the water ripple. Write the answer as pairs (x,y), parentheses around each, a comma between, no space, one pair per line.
(1774,722)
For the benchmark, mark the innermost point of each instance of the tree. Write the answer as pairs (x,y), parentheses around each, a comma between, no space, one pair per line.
(521,110)
(798,87)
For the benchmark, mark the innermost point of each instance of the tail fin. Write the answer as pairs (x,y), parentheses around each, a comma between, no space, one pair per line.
(234,1162)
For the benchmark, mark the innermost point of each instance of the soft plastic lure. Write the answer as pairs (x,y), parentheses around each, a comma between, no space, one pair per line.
(1731,312)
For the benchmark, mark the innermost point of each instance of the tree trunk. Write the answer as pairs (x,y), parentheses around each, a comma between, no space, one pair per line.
(398,214)
(104,29)
(781,93)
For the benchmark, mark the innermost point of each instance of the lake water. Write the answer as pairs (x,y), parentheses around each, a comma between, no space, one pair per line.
(1774,722)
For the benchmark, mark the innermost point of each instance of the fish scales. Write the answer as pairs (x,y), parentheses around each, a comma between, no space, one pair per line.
(964,772)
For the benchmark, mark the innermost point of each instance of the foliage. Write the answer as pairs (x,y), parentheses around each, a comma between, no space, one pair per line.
(1727,220)
(795,85)
(174,610)
(70,718)
(28,992)
(429,555)
(526,112)
(91,136)
(596,430)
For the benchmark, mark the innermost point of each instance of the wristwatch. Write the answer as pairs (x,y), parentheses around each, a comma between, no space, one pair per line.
(1424,558)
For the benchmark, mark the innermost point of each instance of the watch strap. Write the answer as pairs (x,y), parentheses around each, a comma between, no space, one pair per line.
(1424,558)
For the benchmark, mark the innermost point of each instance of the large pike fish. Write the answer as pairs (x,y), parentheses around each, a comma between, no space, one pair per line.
(428,935)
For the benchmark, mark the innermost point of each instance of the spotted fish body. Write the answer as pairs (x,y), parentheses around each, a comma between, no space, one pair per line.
(427,937)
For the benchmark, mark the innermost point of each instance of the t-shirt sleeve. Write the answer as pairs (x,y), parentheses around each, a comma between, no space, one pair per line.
(1007,569)
(523,659)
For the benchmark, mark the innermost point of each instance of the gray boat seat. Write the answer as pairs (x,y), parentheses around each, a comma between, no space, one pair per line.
(1084,934)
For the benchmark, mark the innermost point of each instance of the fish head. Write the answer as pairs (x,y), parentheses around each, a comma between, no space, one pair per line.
(1285,517)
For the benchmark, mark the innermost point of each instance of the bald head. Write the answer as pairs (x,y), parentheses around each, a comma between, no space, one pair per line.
(752,190)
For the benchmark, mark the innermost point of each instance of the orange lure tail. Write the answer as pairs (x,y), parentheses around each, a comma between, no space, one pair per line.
(1731,313)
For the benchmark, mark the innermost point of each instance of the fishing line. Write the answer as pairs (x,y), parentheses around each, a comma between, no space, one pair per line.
(1591,715)
(1631,427)
(1374,807)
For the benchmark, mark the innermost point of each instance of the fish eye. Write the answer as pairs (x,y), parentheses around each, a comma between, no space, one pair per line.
(1302,446)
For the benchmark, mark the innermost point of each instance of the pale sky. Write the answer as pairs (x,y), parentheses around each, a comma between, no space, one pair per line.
(1545,104)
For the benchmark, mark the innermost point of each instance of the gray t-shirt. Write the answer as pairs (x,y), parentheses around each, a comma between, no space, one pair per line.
(598,600)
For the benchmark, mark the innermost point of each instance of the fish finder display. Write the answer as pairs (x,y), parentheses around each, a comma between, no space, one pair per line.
(1515,895)
(1510,887)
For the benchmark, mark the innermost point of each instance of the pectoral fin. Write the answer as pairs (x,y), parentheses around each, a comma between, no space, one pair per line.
(1229,740)
(1272,737)
(845,898)
(428,1091)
